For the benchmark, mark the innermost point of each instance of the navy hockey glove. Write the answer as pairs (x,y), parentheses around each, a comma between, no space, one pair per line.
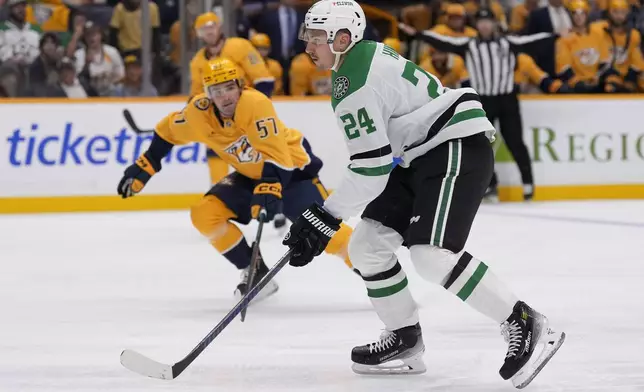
(268,195)
(137,175)
(310,234)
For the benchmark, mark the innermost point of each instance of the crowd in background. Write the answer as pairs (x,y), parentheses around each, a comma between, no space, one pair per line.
(87,48)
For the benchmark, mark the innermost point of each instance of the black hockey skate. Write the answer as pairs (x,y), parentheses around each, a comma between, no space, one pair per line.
(531,344)
(404,344)
(262,270)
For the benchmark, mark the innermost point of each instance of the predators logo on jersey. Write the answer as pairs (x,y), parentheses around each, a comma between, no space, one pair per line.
(243,151)
(587,56)
(252,136)
(202,104)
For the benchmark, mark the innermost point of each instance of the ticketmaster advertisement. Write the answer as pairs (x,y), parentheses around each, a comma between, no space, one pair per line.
(82,148)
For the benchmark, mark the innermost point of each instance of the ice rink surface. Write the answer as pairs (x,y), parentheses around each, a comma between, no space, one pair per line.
(76,289)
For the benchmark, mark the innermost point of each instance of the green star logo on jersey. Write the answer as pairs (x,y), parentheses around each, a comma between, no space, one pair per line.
(340,87)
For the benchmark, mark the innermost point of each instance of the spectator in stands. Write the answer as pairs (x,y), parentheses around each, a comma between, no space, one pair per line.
(75,40)
(421,16)
(554,18)
(282,27)
(263,45)
(583,58)
(50,16)
(473,6)
(448,67)
(10,81)
(19,40)
(125,27)
(133,85)
(623,43)
(307,79)
(455,25)
(69,85)
(43,72)
(520,14)
(175,35)
(99,63)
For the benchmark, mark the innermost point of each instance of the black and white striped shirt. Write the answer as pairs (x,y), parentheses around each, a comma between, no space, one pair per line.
(490,63)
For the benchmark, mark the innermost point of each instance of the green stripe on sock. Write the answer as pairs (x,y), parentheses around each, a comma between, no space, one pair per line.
(387,291)
(471,284)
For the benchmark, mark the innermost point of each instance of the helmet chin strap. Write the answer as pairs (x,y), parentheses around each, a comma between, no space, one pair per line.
(336,63)
(338,55)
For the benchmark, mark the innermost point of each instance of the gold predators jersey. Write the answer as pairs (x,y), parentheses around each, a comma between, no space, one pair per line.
(580,55)
(277,72)
(253,136)
(307,79)
(444,29)
(50,15)
(624,48)
(240,51)
(455,73)
(527,73)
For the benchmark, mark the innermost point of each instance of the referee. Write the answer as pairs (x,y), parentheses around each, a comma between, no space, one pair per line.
(490,59)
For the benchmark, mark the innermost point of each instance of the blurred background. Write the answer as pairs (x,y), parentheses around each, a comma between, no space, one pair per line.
(143,48)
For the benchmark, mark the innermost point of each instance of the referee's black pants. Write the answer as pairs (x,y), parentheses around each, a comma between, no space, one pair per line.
(506,109)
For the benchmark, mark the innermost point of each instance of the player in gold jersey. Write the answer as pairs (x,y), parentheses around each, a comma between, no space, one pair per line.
(583,56)
(240,51)
(623,44)
(263,45)
(307,79)
(273,164)
(449,68)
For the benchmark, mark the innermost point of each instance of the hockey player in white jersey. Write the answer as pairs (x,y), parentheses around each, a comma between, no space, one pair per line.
(391,110)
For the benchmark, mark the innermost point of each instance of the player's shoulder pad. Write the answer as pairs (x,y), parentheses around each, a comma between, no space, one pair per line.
(201,102)
(240,48)
(198,56)
(598,26)
(441,29)
(253,103)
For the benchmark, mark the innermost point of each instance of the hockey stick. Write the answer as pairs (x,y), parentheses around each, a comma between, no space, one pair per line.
(130,121)
(254,259)
(143,365)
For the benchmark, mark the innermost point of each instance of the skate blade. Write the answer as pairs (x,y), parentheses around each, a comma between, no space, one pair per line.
(411,365)
(268,290)
(490,199)
(530,371)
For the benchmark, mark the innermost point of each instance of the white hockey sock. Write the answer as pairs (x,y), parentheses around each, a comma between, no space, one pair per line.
(391,298)
(468,278)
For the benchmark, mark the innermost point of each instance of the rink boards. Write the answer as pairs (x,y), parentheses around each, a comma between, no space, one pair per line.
(68,155)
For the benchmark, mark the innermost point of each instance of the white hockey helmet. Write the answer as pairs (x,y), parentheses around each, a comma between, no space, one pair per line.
(332,16)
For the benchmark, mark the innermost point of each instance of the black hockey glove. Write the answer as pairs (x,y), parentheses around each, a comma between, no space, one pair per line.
(310,234)
(137,175)
(268,195)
